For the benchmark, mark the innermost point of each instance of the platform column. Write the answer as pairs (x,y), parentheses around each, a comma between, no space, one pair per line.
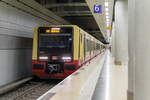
(131,47)
(121,31)
(139,16)
(113,40)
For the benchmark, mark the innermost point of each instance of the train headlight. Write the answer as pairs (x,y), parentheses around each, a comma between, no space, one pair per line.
(43,58)
(66,59)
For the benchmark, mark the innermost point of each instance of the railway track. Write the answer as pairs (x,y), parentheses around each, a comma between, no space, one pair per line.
(30,90)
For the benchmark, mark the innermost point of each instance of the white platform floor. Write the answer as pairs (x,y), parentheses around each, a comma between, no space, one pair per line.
(112,83)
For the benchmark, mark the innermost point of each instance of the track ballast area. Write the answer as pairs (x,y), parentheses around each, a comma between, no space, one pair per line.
(30,90)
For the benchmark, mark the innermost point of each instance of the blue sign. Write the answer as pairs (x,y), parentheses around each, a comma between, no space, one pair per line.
(98,9)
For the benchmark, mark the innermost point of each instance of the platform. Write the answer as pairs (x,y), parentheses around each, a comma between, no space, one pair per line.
(108,83)
(112,83)
(80,84)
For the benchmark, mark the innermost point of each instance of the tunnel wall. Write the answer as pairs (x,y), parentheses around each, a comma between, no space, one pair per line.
(16,32)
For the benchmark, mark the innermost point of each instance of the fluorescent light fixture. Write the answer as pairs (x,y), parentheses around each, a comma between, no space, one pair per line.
(107,20)
(107,24)
(107,13)
(107,17)
(106,4)
(106,9)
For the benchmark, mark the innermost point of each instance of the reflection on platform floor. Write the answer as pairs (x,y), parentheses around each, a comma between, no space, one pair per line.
(112,83)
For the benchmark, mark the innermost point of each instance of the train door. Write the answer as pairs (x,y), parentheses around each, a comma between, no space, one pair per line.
(81,52)
(79,56)
(84,47)
(90,47)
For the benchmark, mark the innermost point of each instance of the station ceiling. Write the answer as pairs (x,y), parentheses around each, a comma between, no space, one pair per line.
(77,12)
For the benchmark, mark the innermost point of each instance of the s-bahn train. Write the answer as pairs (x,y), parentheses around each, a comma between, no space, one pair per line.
(59,50)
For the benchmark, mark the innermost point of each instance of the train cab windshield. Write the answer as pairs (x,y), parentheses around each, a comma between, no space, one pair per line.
(55,42)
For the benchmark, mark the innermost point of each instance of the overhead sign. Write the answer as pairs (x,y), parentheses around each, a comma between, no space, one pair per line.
(98,9)
(109,28)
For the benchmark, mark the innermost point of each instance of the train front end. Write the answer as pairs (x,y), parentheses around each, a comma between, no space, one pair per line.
(53,52)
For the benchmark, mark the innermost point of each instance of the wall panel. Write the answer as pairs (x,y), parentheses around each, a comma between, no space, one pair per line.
(16,32)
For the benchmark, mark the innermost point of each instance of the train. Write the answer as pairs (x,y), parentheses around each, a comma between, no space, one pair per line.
(60,50)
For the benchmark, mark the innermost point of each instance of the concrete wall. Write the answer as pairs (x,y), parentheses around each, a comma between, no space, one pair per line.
(16,31)
(139,30)
(121,31)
